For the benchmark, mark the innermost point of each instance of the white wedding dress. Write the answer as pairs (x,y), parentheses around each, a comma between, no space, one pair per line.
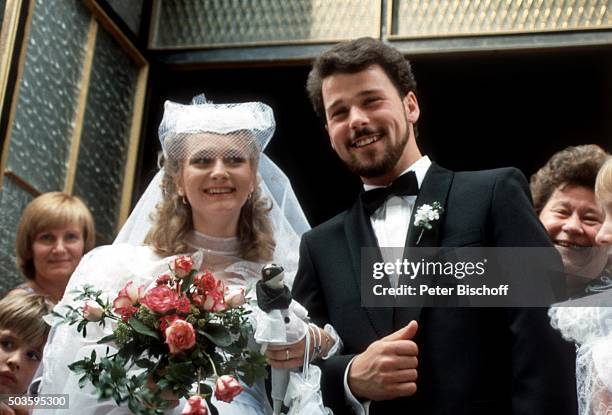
(109,268)
(591,329)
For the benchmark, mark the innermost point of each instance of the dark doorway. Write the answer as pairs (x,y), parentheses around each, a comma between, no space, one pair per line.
(477,112)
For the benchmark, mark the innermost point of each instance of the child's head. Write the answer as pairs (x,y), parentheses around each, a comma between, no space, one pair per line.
(603,191)
(23,334)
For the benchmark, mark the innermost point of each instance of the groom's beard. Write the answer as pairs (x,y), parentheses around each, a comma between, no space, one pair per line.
(380,167)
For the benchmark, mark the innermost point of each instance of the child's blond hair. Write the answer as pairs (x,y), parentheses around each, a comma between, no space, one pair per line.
(22,313)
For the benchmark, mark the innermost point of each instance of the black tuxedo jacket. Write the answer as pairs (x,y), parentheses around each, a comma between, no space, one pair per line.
(471,360)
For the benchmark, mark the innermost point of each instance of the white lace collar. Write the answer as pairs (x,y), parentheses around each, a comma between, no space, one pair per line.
(225,246)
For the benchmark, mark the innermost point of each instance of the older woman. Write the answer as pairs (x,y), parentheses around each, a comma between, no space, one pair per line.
(588,322)
(564,198)
(55,231)
(211,201)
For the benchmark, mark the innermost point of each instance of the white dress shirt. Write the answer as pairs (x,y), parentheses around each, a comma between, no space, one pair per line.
(390,223)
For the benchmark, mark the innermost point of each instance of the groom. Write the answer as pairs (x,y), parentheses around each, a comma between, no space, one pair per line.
(419,360)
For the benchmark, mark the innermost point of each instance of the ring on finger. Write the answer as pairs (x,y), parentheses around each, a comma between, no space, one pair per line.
(286,354)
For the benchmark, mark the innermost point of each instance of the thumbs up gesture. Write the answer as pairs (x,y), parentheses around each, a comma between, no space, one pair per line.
(388,367)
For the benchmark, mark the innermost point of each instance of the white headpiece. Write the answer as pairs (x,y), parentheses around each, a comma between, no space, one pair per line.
(251,126)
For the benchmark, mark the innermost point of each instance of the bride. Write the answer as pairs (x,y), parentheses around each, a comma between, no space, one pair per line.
(207,197)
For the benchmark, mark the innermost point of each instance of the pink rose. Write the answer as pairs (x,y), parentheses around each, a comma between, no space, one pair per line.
(214,301)
(235,298)
(127,299)
(227,388)
(92,311)
(130,291)
(161,299)
(211,293)
(180,336)
(198,300)
(182,266)
(195,406)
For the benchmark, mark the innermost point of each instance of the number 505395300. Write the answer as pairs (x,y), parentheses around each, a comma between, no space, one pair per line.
(37,401)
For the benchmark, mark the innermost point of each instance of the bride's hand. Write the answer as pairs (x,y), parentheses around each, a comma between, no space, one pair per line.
(287,356)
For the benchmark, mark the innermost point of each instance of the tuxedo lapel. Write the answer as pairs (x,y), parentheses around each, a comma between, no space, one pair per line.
(359,234)
(435,188)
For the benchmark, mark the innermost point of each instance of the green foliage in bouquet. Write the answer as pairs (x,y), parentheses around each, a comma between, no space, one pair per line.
(171,338)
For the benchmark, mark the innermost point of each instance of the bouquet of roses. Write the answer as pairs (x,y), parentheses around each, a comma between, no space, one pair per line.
(186,330)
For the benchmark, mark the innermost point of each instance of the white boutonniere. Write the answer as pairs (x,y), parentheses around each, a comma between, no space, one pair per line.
(425,215)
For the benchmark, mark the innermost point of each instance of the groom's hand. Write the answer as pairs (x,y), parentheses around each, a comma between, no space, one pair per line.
(388,367)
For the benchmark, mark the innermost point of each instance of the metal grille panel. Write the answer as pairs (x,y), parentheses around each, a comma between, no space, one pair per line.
(427,18)
(2,6)
(188,23)
(106,134)
(129,11)
(13,200)
(48,93)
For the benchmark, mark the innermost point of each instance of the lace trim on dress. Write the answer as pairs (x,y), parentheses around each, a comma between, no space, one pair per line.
(225,246)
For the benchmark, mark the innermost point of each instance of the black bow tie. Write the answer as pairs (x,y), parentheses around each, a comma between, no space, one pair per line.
(404,185)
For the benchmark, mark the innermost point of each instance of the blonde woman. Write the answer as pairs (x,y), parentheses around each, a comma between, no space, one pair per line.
(55,231)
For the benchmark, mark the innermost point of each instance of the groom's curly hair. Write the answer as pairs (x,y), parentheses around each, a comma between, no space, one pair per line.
(573,166)
(354,56)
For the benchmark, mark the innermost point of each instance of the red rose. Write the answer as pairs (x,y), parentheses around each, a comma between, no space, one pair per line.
(161,299)
(165,321)
(227,388)
(180,336)
(126,300)
(195,406)
(183,304)
(182,266)
(128,312)
(205,281)
(162,279)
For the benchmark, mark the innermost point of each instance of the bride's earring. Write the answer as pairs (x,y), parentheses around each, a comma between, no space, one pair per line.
(182,195)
